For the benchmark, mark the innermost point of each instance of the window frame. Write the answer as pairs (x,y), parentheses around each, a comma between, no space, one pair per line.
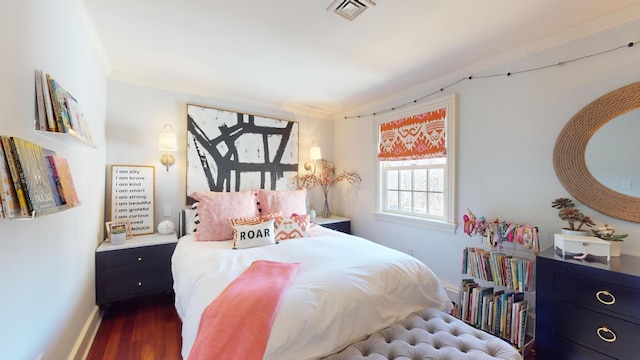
(447,223)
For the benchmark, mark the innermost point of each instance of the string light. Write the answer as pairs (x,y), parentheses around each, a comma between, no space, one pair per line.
(508,74)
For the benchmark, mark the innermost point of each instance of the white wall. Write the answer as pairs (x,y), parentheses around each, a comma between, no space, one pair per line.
(507,128)
(47,264)
(135,118)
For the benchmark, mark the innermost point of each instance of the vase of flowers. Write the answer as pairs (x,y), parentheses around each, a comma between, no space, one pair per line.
(574,217)
(326,180)
(606,232)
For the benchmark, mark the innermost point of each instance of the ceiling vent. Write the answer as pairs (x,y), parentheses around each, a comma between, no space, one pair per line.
(350,9)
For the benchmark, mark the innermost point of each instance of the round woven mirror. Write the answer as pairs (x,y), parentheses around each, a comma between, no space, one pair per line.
(569,154)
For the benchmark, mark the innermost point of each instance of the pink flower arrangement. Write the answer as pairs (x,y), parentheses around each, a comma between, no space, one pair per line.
(326,180)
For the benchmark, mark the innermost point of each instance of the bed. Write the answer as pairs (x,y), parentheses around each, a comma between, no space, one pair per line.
(346,288)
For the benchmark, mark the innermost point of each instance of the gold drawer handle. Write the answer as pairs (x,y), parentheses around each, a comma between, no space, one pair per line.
(603,295)
(605,331)
(139,259)
(139,283)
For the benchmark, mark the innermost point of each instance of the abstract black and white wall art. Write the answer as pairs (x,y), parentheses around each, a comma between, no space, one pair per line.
(232,151)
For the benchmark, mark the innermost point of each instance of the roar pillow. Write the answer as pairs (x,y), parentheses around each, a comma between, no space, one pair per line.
(248,236)
(215,208)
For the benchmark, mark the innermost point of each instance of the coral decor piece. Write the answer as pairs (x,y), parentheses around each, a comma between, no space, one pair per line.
(326,180)
(569,213)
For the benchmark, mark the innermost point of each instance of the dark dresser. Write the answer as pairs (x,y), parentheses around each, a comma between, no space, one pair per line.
(587,309)
(138,267)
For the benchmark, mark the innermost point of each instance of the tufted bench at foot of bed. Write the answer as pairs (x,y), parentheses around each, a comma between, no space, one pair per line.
(428,334)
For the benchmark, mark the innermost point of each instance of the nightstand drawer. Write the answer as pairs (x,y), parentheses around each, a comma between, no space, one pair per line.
(595,330)
(343,226)
(133,259)
(121,287)
(580,290)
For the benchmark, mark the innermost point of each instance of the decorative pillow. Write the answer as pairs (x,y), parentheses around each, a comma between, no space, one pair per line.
(292,227)
(249,236)
(250,221)
(285,201)
(215,208)
(187,219)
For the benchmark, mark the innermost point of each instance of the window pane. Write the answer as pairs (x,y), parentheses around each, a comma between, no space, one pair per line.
(436,180)
(405,201)
(392,200)
(392,179)
(436,204)
(405,179)
(420,180)
(420,202)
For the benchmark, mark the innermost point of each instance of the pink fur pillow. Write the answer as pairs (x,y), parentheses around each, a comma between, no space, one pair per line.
(292,227)
(286,201)
(215,208)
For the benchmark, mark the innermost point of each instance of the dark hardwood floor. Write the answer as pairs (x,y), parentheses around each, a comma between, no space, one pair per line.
(147,328)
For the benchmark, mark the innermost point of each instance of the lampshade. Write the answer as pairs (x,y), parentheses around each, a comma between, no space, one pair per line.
(315,153)
(168,141)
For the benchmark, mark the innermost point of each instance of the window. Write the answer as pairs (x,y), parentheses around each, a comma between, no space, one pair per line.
(416,164)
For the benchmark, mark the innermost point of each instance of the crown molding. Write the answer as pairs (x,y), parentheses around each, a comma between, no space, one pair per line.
(576,33)
(79,11)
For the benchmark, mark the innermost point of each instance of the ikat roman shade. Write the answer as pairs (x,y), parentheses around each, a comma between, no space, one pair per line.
(420,136)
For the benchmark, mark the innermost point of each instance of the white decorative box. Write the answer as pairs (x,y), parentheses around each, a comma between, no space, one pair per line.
(582,244)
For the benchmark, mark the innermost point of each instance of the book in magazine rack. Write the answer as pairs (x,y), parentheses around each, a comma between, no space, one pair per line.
(496,294)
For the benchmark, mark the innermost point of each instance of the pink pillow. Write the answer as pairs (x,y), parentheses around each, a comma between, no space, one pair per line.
(292,227)
(215,208)
(286,201)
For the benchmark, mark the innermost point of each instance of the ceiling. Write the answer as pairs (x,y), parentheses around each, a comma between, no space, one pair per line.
(296,54)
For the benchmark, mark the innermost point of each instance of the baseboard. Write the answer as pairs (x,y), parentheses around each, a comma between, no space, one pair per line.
(83,344)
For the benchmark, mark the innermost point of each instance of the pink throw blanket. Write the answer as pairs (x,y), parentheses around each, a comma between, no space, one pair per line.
(236,325)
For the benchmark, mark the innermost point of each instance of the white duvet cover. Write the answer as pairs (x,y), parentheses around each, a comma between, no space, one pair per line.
(347,288)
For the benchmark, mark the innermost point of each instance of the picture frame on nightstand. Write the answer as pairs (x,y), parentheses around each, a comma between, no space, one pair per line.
(113,225)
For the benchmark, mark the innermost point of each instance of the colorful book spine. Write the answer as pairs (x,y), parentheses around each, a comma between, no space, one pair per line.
(63,173)
(61,115)
(35,177)
(10,203)
(25,210)
(52,177)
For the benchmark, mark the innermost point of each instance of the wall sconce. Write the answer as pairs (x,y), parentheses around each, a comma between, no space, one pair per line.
(314,154)
(168,142)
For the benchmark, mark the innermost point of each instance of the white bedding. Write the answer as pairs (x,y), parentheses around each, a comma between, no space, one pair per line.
(347,288)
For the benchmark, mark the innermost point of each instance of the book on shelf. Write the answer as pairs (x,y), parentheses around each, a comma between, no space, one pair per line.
(62,173)
(12,164)
(41,115)
(33,173)
(61,114)
(499,312)
(500,268)
(55,186)
(10,203)
(48,105)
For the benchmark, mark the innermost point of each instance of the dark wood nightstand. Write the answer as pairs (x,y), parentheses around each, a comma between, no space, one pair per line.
(335,223)
(140,266)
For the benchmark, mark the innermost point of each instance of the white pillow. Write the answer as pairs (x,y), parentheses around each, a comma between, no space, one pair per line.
(248,236)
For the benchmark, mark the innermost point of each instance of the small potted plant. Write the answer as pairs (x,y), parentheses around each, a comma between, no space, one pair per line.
(118,235)
(576,219)
(606,232)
